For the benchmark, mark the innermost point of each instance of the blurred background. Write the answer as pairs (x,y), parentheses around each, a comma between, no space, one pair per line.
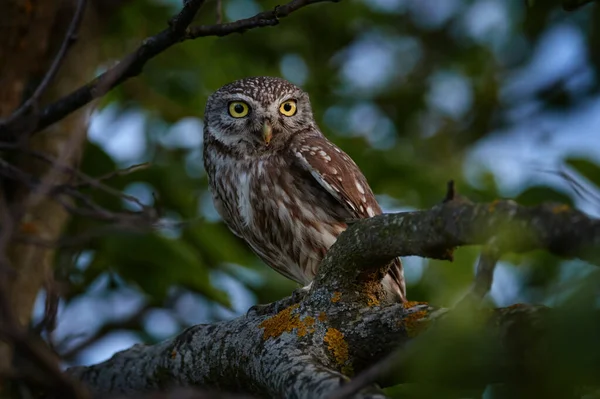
(500,95)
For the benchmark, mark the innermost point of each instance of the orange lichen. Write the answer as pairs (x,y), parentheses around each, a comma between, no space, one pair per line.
(561,208)
(410,304)
(493,205)
(173,354)
(286,321)
(415,323)
(372,300)
(307,325)
(282,322)
(336,297)
(322,316)
(338,348)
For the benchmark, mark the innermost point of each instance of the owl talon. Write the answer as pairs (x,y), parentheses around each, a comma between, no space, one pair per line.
(275,307)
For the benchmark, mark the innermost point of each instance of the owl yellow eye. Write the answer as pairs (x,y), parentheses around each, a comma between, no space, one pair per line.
(288,108)
(238,109)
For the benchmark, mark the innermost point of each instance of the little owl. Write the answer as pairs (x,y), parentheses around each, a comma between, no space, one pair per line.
(278,182)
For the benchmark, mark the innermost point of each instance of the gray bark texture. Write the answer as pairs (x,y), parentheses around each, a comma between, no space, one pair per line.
(311,345)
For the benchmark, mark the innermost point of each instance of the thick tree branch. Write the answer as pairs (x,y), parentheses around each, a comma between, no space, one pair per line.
(363,250)
(251,355)
(133,63)
(338,329)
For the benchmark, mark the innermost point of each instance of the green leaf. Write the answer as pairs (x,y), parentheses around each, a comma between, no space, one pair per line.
(155,263)
(535,195)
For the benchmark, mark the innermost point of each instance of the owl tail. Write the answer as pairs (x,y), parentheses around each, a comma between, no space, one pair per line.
(394,283)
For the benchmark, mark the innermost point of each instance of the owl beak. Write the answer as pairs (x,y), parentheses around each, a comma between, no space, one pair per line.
(267,132)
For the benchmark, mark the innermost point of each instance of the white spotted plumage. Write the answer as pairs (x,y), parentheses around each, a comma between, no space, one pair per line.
(290,197)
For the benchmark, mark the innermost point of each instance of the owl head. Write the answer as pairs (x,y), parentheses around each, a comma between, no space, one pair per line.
(257,114)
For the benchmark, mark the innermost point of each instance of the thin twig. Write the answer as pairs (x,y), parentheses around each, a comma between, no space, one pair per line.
(265,18)
(92,182)
(87,180)
(132,64)
(70,38)
(146,215)
(484,277)
(450,191)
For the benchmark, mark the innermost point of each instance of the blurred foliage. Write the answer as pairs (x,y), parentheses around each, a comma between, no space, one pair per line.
(414,91)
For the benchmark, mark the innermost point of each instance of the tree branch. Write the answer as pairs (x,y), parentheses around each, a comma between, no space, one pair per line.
(238,355)
(266,18)
(132,65)
(361,253)
(310,349)
(68,41)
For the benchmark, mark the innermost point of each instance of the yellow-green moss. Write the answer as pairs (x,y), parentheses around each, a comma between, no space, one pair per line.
(338,347)
(286,321)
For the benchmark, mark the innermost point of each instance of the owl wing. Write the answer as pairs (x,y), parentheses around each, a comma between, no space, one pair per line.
(337,173)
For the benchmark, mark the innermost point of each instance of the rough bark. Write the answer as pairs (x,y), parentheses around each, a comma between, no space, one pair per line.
(31,35)
(310,349)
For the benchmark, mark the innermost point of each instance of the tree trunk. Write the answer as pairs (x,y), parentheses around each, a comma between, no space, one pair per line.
(31,33)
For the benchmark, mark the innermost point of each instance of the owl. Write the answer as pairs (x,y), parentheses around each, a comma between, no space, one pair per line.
(278,182)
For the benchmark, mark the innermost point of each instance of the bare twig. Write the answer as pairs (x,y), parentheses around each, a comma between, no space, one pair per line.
(266,18)
(48,323)
(87,180)
(132,64)
(69,39)
(450,191)
(95,211)
(92,182)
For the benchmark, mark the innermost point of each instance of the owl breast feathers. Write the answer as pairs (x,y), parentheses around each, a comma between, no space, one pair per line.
(278,183)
